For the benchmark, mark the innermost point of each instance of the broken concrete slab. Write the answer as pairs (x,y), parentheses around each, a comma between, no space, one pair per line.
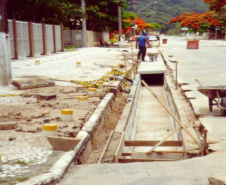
(219,179)
(63,143)
(46,96)
(8,125)
(32,82)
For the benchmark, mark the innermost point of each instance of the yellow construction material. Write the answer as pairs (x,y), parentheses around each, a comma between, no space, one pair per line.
(106,78)
(7,95)
(78,64)
(110,74)
(89,84)
(82,98)
(99,82)
(67,111)
(49,127)
(91,89)
(37,62)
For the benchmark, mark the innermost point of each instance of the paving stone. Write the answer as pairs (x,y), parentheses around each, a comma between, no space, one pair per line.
(8,125)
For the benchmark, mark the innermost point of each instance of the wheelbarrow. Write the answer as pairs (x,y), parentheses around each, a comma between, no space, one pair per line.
(216,95)
(153,53)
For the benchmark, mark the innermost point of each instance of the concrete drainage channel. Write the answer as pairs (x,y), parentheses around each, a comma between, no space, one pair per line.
(149,132)
(145,132)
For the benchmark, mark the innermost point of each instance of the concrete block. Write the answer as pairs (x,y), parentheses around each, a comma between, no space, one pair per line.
(8,125)
(63,143)
(219,179)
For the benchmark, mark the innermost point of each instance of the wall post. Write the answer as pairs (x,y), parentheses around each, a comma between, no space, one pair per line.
(54,38)
(44,39)
(15,40)
(31,39)
(62,37)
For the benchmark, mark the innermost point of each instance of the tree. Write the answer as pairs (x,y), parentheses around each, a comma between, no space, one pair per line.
(198,22)
(219,6)
(100,15)
(47,11)
(216,5)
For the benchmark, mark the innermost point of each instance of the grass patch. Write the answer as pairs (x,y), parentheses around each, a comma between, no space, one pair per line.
(21,162)
(21,179)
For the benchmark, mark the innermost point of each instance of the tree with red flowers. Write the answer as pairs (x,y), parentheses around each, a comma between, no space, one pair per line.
(219,7)
(198,22)
(215,4)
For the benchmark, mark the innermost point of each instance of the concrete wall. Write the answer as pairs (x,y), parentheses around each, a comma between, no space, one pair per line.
(28,39)
(74,38)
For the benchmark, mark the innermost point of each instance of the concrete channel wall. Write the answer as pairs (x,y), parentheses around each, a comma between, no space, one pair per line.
(128,118)
(173,107)
(178,110)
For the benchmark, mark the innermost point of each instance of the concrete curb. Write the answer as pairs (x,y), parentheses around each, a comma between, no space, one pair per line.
(91,125)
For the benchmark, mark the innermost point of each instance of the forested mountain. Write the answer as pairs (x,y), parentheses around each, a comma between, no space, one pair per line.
(161,11)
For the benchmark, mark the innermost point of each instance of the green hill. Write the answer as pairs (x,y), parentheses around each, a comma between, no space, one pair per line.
(161,11)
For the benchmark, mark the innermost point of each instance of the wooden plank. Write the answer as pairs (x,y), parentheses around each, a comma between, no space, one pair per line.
(109,154)
(171,156)
(124,160)
(152,143)
(119,150)
(105,148)
(158,152)
(163,140)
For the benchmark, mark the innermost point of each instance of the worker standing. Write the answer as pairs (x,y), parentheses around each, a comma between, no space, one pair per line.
(141,42)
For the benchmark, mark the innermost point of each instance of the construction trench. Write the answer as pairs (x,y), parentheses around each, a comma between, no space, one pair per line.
(149,128)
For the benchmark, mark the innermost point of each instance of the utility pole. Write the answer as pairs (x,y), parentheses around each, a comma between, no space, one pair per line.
(134,29)
(120,22)
(5,61)
(84,23)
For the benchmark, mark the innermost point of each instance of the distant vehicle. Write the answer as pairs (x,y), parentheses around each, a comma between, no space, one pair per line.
(153,40)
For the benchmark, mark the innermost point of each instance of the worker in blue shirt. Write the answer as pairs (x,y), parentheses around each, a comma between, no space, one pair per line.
(141,42)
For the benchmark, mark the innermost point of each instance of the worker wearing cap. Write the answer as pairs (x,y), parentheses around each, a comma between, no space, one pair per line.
(141,42)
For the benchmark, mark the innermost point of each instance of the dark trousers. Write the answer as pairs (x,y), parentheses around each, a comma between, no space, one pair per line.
(142,52)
